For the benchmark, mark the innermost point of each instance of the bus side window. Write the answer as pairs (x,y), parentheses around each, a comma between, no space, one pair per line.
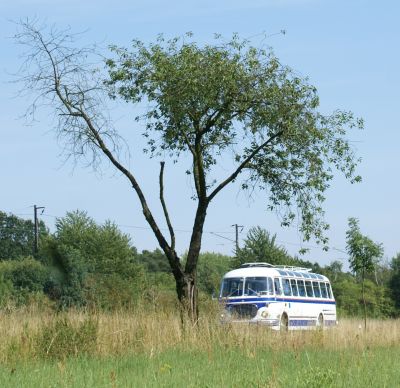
(324,293)
(294,287)
(302,288)
(309,289)
(317,291)
(277,286)
(270,286)
(328,287)
(286,287)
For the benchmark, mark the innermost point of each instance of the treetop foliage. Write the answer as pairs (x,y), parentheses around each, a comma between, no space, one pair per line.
(234,98)
(103,248)
(260,246)
(363,252)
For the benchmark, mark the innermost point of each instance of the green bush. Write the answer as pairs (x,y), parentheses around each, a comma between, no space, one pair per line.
(349,301)
(91,265)
(75,271)
(27,274)
(22,282)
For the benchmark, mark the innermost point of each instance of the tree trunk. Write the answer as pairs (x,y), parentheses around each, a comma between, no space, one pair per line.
(186,284)
(186,289)
(365,304)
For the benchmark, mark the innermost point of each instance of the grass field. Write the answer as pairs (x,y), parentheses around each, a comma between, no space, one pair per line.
(135,349)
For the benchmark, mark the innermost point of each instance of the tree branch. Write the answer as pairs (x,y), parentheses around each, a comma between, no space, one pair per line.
(146,211)
(242,166)
(213,118)
(78,109)
(170,228)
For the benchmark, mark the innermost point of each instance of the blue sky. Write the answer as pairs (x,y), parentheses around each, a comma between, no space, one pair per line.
(348,49)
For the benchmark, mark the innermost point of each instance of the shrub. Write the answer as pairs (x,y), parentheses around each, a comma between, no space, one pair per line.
(91,265)
(26,274)
(22,282)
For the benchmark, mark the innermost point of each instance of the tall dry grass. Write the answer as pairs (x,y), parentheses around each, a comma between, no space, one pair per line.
(155,331)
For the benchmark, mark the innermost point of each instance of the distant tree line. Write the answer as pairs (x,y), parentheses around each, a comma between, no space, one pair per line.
(87,265)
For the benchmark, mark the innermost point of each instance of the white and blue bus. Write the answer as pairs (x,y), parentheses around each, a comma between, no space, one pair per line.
(282,297)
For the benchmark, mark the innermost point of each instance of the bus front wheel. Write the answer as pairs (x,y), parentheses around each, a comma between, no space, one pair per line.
(320,322)
(284,323)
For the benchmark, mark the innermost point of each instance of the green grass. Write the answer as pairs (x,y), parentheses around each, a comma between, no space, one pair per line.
(154,349)
(231,367)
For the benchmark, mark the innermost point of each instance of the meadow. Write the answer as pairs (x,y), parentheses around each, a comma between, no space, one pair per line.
(140,348)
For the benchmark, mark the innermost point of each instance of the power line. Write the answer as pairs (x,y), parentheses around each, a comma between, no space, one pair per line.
(226,238)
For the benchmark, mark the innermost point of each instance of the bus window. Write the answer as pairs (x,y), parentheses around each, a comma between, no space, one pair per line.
(309,289)
(328,288)
(317,291)
(294,287)
(324,293)
(277,286)
(232,287)
(286,287)
(257,286)
(302,288)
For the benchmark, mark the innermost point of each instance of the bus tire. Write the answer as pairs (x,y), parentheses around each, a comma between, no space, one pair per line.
(320,322)
(284,322)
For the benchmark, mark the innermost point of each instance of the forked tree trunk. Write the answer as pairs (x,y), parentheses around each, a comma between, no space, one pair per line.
(187,292)
(186,280)
(186,288)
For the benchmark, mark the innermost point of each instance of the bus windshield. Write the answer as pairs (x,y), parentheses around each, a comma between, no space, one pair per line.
(232,287)
(258,286)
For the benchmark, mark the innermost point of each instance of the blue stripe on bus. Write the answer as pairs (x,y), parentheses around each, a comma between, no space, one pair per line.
(302,322)
(309,322)
(242,300)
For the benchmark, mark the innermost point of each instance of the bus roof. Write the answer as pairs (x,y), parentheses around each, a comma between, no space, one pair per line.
(266,269)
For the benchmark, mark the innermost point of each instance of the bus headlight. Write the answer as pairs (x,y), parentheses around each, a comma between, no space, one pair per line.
(264,314)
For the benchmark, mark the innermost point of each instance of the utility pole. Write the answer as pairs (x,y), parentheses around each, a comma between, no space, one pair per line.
(237,235)
(36,231)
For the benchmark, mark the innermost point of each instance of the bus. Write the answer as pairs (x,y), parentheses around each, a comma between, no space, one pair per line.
(281,297)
